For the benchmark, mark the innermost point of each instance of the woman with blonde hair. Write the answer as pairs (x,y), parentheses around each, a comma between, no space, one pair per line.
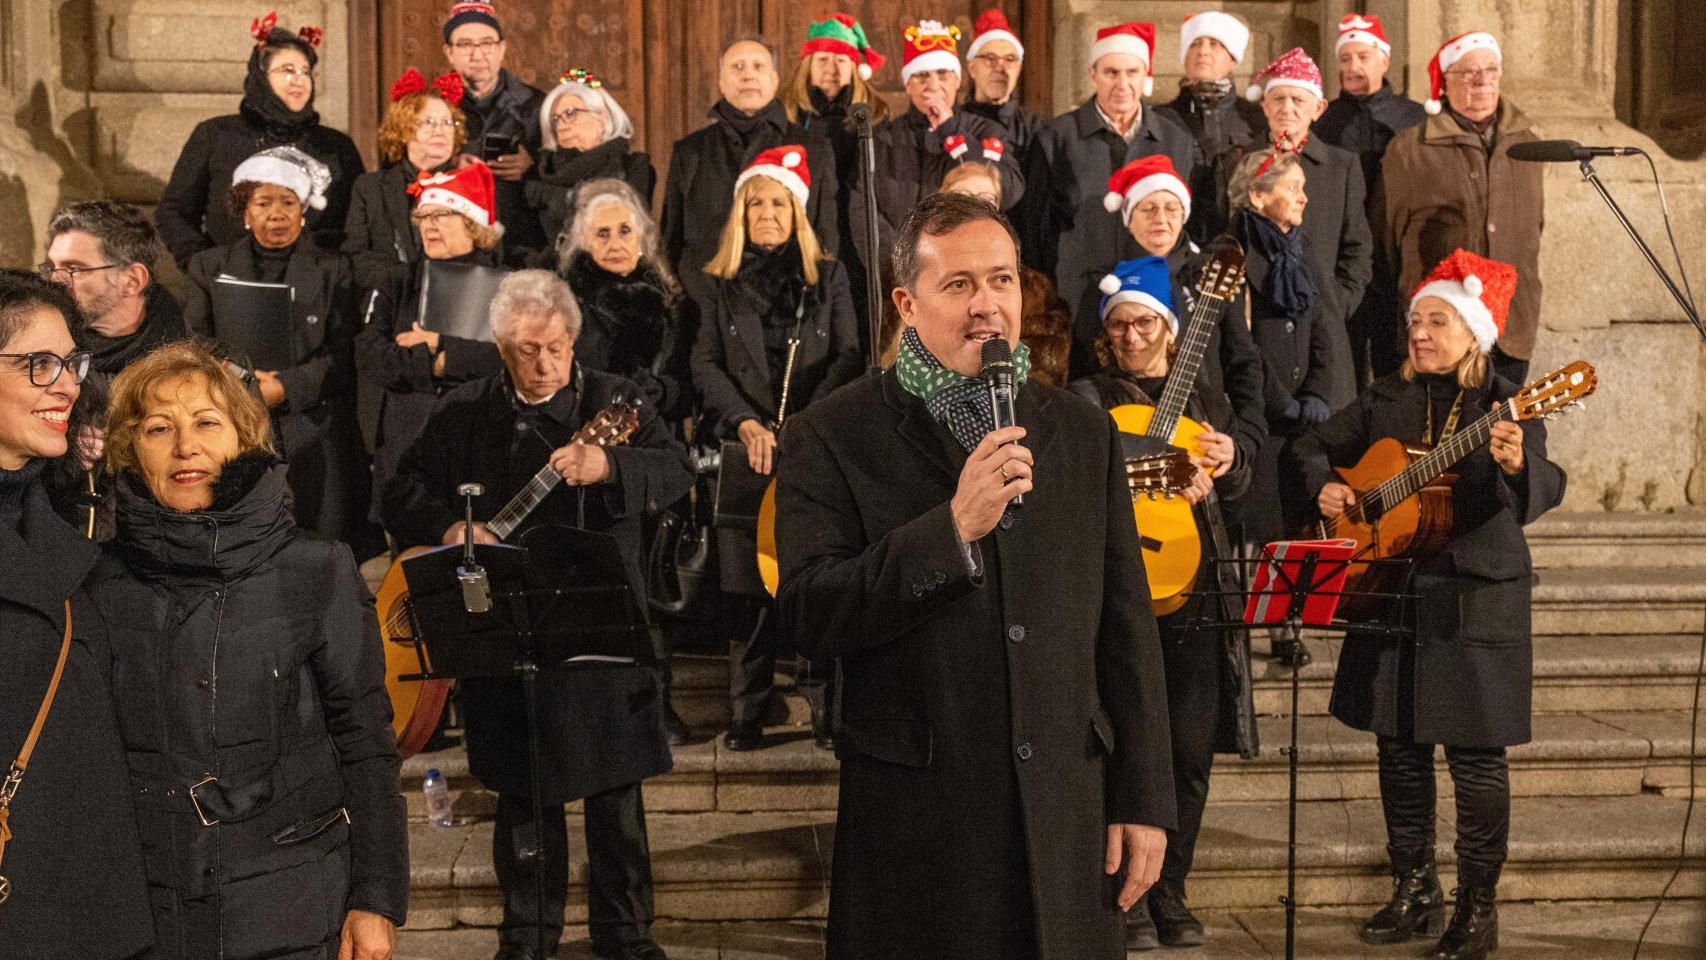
(767,295)
(423,130)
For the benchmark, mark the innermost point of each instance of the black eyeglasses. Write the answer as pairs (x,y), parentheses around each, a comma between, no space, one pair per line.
(46,366)
(55,274)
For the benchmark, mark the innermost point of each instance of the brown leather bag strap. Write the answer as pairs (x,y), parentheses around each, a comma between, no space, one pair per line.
(15,776)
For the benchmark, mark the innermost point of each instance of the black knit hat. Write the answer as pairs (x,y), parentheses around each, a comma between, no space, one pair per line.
(472,11)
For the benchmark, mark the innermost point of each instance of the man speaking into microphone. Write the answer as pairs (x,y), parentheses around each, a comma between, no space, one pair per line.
(1005,767)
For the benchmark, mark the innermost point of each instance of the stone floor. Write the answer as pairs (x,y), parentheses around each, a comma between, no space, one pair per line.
(1529,931)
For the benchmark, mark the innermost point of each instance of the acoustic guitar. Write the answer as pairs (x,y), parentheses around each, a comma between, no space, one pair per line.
(1403,491)
(1172,547)
(1160,476)
(416,705)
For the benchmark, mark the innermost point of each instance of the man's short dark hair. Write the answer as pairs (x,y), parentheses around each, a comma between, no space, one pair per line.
(936,215)
(125,235)
(765,42)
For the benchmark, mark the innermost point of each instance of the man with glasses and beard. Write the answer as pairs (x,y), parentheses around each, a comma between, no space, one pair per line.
(103,252)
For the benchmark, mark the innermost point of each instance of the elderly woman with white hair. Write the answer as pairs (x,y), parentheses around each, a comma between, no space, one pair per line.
(601,727)
(630,301)
(585,135)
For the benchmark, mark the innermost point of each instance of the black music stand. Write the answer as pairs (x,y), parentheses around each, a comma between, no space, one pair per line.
(560,602)
(1306,592)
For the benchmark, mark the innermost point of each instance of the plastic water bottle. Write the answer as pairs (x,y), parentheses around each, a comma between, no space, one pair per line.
(437,794)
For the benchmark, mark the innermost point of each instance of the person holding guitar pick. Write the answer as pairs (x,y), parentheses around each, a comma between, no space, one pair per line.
(1143,362)
(1466,680)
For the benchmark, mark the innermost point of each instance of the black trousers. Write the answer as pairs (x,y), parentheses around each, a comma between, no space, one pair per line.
(1481,778)
(619,868)
(1192,662)
(753,648)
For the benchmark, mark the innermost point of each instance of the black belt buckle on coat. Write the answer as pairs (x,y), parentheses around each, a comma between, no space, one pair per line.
(196,801)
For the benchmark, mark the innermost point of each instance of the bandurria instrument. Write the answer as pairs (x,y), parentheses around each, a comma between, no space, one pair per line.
(417,705)
(1172,549)
(1403,491)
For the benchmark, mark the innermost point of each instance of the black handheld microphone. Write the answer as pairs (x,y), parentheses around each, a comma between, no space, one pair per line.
(858,118)
(997,373)
(1564,151)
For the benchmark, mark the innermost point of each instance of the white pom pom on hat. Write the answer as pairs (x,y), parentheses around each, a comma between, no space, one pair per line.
(790,160)
(864,71)
(1109,283)
(1431,108)
(1253,92)
(1112,201)
(1472,284)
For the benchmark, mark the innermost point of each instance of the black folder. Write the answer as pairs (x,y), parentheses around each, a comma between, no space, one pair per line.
(456,299)
(740,490)
(253,321)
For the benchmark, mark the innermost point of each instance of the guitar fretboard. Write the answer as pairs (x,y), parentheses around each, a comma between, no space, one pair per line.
(524,503)
(1182,377)
(1440,459)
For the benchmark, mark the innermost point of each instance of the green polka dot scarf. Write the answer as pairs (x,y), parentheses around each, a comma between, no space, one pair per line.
(956,401)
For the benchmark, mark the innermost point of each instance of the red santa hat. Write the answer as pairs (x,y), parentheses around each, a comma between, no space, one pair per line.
(786,165)
(1362,28)
(1140,178)
(1228,29)
(992,25)
(1479,289)
(929,46)
(1449,53)
(1293,68)
(1137,39)
(467,190)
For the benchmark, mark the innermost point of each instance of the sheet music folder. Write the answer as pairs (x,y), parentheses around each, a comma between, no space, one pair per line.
(740,489)
(456,299)
(253,320)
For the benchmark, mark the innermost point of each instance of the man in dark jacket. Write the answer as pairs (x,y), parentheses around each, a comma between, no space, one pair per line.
(601,729)
(1223,124)
(503,119)
(104,253)
(1364,118)
(1064,221)
(917,149)
(1003,729)
(993,62)
(702,169)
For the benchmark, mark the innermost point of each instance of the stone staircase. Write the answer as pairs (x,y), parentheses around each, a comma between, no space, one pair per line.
(1599,795)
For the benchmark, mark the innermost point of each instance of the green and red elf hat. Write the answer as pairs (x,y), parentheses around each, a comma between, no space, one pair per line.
(841,33)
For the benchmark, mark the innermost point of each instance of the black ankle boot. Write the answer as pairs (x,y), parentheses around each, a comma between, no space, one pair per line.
(1175,924)
(1418,903)
(1140,927)
(1474,930)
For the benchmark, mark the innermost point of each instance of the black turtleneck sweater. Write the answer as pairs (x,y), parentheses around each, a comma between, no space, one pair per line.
(14,484)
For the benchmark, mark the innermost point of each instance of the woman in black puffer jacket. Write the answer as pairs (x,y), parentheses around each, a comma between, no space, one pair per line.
(249,685)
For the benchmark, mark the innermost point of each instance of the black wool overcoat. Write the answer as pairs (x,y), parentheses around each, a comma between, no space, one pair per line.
(1468,679)
(601,727)
(992,725)
(1223,130)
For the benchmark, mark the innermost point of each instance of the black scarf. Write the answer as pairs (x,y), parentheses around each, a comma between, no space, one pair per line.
(830,108)
(746,128)
(263,110)
(248,522)
(566,167)
(162,322)
(1289,285)
(631,311)
(14,484)
(776,289)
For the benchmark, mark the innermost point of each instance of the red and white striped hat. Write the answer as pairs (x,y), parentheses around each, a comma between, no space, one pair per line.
(1449,53)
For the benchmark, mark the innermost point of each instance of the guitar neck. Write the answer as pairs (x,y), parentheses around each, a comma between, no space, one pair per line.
(1440,459)
(1187,362)
(524,503)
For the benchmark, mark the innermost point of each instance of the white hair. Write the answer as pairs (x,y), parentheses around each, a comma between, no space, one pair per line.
(596,99)
(533,293)
(593,196)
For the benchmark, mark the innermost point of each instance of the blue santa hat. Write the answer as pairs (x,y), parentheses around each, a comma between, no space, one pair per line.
(1144,280)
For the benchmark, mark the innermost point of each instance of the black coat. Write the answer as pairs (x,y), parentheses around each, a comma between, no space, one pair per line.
(911,163)
(1300,356)
(378,234)
(1064,223)
(1021,126)
(510,110)
(632,327)
(74,858)
(1342,248)
(246,650)
(991,726)
(1470,674)
(1223,130)
(703,168)
(315,426)
(397,390)
(162,323)
(193,215)
(599,729)
(560,172)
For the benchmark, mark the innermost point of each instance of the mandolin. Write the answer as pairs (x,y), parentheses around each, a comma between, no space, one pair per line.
(417,705)
(1403,491)
(1172,548)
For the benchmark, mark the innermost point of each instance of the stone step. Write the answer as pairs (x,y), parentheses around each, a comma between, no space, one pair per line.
(1585,929)
(775,866)
(1618,539)
(1572,755)
(1620,600)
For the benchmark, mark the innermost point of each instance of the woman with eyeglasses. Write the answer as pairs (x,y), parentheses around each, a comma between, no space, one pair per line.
(306,373)
(73,862)
(404,366)
(585,136)
(423,129)
(277,110)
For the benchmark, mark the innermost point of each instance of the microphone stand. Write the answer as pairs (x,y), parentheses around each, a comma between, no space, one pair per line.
(860,114)
(1688,309)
